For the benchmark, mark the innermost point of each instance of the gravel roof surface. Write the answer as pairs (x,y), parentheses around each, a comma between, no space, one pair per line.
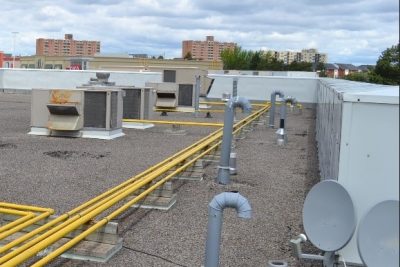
(61,173)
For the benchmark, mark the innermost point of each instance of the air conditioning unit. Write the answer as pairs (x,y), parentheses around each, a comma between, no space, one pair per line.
(138,102)
(102,113)
(56,112)
(85,112)
(138,105)
(177,91)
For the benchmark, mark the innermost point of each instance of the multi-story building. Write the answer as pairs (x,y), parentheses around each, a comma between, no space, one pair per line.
(66,47)
(306,55)
(205,50)
(312,56)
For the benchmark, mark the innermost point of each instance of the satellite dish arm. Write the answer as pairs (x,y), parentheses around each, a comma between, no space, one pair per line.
(297,251)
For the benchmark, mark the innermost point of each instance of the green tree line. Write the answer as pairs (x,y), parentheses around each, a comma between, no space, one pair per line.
(386,71)
(240,59)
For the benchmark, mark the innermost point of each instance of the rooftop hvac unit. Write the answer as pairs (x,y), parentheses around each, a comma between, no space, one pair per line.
(178,88)
(103,109)
(85,112)
(138,102)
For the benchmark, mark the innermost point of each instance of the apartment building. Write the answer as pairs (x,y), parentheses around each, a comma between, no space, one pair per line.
(66,47)
(205,50)
(306,55)
(312,55)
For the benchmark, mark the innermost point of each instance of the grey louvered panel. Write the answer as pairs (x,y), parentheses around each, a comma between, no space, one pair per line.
(95,110)
(114,110)
(146,103)
(131,104)
(185,95)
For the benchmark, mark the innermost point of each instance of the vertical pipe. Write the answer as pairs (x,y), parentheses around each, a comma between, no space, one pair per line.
(215,214)
(234,94)
(223,168)
(283,116)
(281,132)
(197,96)
(234,87)
(232,164)
(272,109)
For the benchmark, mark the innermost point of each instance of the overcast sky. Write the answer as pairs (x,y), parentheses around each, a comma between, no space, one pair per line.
(349,31)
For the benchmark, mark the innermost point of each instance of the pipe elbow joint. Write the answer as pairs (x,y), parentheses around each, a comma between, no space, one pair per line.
(291,100)
(232,200)
(278,93)
(241,102)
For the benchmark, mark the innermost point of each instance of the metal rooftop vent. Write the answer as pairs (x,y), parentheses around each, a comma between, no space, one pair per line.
(100,80)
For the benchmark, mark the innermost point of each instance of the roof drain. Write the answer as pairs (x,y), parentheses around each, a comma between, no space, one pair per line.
(281,132)
(223,168)
(215,212)
(272,109)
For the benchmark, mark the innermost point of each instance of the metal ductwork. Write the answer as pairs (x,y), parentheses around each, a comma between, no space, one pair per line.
(223,168)
(272,109)
(215,214)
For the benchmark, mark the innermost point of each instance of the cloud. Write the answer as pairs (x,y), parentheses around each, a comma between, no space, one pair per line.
(349,31)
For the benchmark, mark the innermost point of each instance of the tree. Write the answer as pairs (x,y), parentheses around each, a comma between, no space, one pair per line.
(321,70)
(358,76)
(188,56)
(235,59)
(300,66)
(255,61)
(160,57)
(388,66)
(386,71)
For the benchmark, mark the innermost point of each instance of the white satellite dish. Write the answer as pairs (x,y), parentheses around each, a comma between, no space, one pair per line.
(328,216)
(378,235)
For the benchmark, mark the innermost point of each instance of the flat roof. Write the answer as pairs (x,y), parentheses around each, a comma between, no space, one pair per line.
(61,173)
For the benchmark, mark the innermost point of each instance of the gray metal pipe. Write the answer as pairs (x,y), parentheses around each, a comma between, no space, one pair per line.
(281,132)
(215,214)
(223,168)
(328,258)
(272,109)
(291,100)
(197,96)
(234,87)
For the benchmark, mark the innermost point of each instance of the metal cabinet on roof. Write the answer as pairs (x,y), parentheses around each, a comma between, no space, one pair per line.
(177,90)
(86,112)
(357,131)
